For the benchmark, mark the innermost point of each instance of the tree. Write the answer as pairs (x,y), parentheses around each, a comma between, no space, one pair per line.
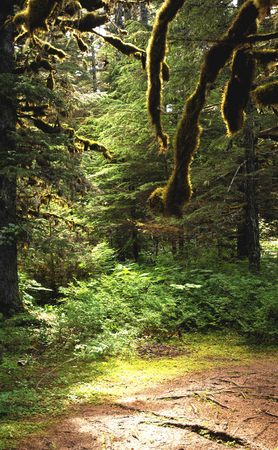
(9,295)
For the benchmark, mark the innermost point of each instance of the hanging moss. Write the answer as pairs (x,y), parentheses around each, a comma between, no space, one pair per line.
(215,60)
(178,189)
(266,95)
(83,47)
(266,56)
(35,15)
(237,91)
(90,21)
(155,56)
(50,82)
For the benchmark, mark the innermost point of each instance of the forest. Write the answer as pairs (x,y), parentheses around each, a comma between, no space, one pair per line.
(138,224)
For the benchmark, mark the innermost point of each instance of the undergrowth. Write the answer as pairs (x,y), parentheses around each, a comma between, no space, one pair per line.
(54,356)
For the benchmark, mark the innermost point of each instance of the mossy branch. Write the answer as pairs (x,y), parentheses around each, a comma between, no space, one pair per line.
(178,189)
(35,15)
(132,50)
(237,91)
(266,95)
(155,56)
(89,21)
(94,146)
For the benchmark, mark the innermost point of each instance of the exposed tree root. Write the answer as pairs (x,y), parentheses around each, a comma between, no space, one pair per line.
(213,435)
(204,431)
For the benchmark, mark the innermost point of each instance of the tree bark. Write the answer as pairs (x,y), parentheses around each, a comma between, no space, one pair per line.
(251,226)
(144,14)
(9,296)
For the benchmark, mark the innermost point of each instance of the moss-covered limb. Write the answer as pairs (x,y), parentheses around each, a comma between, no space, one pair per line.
(266,95)
(132,50)
(124,47)
(50,49)
(40,63)
(45,127)
(35,15)
(266,56)
(72,7)
(155,56)
(36,110)
(265,6)
(252,38)
(237,91)
(269,133)
(245,23)
(178,189)
(94,146)
(83,47)
(50,82)
(89,21)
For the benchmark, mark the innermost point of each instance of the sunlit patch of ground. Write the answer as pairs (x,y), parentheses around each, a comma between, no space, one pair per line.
(215,394)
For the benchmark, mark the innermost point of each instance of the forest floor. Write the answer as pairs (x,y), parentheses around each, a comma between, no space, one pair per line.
(229,402)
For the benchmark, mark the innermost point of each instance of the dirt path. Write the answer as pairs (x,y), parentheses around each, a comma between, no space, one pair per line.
(217,409)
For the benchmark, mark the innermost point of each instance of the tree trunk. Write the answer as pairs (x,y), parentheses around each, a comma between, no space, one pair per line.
(94,65)
(251,225)
(144,14)
(119,12)
(248,231)
(9,295)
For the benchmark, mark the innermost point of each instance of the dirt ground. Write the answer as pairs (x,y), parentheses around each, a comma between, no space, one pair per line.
(232,407)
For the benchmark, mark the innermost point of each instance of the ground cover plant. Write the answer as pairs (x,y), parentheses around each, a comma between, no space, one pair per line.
(56,356)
